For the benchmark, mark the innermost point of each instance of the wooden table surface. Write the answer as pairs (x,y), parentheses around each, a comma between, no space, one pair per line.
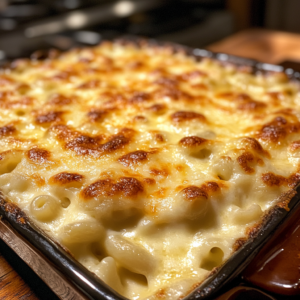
(267,46)
(18,281)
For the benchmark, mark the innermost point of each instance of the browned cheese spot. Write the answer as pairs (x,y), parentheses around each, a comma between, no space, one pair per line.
(192,141)
(277,130)
(39,181)
(149,181)
(23,88)
(66,178)
(86,145)
(210,187)
(97,115)
(38,155)
(243,101)
(276,97)
(273,180)
(113,99)
(274,131)
(7,130)
(139,97)
(295,146)
(160,193)
(50,117)
(127,132)
(294,180)
(98,188)
(158,108)
(125,186)
(183,116)
(173,93)
(193,193)
(159,172)
(159,137)
(243,161)
(7,100)
(60,100)
(128,186)
(168,87)
(63,132)
(133,158)
(115,143)
(252,143)
(140,119)
(246,103)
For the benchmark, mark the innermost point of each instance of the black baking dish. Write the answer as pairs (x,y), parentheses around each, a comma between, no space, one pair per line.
(91,286)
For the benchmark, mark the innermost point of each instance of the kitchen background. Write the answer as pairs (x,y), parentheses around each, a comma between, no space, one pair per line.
(27,25)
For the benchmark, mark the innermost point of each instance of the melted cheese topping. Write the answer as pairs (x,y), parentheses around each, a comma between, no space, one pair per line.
(150,166)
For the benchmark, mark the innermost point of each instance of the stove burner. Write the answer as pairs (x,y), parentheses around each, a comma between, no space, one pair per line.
(26,26)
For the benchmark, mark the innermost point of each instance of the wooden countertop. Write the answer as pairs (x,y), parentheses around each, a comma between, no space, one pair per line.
(18,281)
(267,46)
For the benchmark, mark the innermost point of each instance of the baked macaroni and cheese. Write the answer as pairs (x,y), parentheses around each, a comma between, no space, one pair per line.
(150,166)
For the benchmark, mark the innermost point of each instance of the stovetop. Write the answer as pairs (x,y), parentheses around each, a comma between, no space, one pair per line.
(26,26)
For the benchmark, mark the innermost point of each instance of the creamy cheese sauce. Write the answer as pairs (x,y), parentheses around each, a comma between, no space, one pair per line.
(148,165)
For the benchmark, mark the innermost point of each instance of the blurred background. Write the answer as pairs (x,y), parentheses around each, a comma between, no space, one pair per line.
(28,25)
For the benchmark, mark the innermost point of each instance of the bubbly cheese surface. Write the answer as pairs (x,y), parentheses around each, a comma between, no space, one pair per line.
(150,166)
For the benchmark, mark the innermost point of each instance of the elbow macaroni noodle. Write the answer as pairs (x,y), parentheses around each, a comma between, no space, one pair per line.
(148,165)
(44,208)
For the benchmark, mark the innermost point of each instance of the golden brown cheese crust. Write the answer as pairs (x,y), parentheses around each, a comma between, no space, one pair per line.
(278,129)
(38,155)
(149,148)
(65,178)
(49,117)
(134,157)
(192,141)
(7,130)
(126,186)
(184,116)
